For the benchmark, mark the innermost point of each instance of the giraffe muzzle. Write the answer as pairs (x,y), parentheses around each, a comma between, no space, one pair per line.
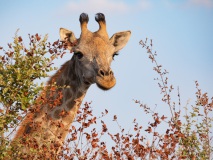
(105,79)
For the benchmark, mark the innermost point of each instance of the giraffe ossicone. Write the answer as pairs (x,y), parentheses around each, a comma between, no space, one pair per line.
(93,54)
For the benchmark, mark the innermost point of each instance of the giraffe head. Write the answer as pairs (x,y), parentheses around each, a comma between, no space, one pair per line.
(94,51)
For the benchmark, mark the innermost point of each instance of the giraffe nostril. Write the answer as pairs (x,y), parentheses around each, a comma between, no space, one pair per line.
(101,73)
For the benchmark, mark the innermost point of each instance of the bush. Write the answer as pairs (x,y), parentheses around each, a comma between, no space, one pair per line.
(20,68)
(187,136)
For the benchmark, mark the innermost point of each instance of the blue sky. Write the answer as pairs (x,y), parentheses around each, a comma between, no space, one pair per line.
(182,33)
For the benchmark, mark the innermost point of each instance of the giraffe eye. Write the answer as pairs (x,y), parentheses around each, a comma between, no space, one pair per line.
(79,55)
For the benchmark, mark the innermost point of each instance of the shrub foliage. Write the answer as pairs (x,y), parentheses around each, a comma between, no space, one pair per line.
(187,136)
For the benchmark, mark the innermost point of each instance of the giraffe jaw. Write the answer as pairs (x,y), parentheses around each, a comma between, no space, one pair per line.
(88,81)
(105,83)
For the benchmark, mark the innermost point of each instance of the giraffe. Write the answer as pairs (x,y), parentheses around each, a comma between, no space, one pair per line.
(90,64)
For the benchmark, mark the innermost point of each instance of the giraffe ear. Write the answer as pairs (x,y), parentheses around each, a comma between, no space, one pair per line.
(68,37)
(120,39)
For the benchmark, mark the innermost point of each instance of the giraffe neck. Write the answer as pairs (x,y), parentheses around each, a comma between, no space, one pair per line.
(52,122)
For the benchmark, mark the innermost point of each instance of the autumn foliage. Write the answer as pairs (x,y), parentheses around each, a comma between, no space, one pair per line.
(187,136)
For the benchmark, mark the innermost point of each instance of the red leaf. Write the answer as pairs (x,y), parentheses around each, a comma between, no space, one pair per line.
(37,37)
(163,117)
(115,118)
(149,130)
(51,51)
(19,117)
(19,39)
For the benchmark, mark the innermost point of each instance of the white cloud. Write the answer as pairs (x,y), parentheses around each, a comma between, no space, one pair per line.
(109,6)
(201,3)
(188,3)
(142,5)
(97,5)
